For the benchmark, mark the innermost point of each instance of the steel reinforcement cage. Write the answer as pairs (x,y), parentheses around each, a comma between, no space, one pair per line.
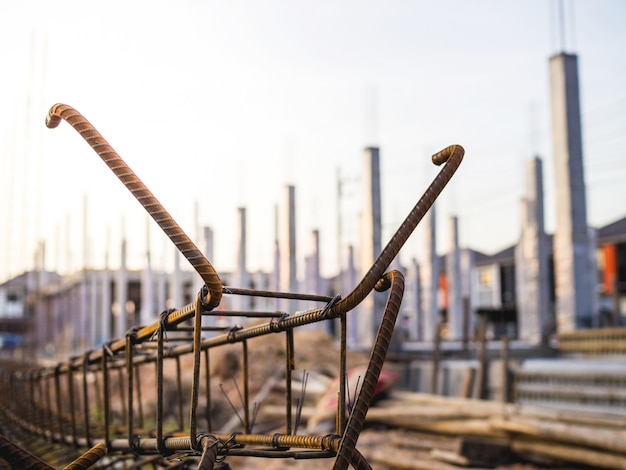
(53,402)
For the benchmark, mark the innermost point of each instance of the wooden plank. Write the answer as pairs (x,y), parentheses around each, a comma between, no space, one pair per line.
(568,453)
(611,440)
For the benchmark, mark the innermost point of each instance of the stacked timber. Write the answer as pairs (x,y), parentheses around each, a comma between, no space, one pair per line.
(485,434)
(415,431)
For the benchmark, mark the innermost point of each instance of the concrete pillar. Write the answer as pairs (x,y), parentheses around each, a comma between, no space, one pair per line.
(148,312)
(349,283)
(430,276)
(176,284)
(574,290)
(104,333)
(313,278)
(287,241)
(121,295)
(411,301)
(94,314)
(274,282)
(468,296)
(534,319)
(370,311)
(161,291)
(208,243)
(207,234)
(453,271)
(241,275)
(594,275)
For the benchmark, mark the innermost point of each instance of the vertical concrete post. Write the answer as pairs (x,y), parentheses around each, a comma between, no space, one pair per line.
(453,271)
(121,294)
(349,282)
(468,300)
(148,314)
(574,290)
(287,241)
(207,233)
(176,285)
(371,309)
(313,281)
(531,262)
(430,276)
(208,243)
(105,320)
(80,323)
(413,301)
(275,277)
(242,269)
(94,314)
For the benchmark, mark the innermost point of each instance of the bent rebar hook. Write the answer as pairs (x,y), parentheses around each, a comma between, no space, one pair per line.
(143,195)
(452,157)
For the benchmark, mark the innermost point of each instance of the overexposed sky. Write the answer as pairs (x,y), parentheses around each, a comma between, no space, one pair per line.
(217,105)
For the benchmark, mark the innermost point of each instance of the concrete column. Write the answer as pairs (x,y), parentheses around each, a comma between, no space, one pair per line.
(430,276)
(287,241)
(468,294)
(242,270)
(121,295)
(313,280)
(370,311)
(574,290)
(161,291)
(207,233)
(105,307)
(349,283)
(411,301)
(453,271)
(274,282)
(241,275)
(176,284)
(208,243)
(594,275)
(148,312)
(531,262)
(94,314)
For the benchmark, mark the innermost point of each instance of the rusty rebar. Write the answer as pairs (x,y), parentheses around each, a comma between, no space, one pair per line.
(20,458)
(132,182)
(393,280)
(89,458)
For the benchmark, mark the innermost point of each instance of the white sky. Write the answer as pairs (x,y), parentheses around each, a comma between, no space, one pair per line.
(225,102)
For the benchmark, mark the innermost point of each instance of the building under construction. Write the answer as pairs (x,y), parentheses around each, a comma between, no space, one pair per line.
(515,326)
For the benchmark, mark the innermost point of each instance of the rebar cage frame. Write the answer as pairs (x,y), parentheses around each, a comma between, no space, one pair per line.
(54,401)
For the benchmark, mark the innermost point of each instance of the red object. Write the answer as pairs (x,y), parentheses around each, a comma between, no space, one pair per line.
(610,267)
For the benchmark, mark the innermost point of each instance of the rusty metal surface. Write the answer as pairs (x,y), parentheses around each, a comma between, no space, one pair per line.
(55,402)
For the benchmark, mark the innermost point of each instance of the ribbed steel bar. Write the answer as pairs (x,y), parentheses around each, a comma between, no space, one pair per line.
(132,182)
(20,458)
(89,458)
(195,385)
(452,157)
(393,280)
